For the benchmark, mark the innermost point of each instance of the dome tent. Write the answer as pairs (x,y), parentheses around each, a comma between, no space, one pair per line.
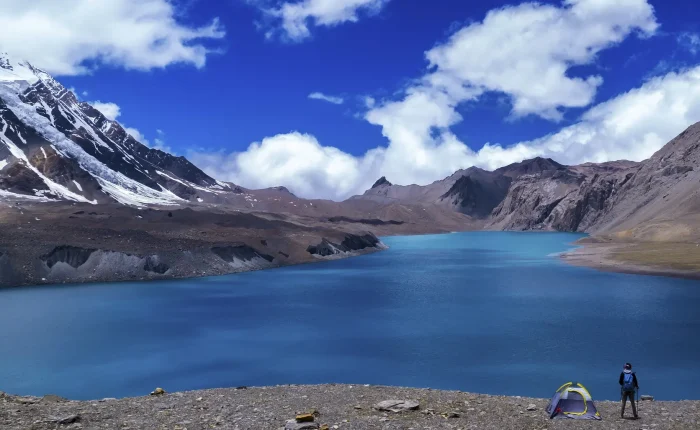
(573,401)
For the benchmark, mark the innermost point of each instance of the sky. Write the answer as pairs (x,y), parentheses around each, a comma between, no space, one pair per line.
(326,96)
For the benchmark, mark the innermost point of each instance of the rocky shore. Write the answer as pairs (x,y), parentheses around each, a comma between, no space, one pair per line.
(355,407)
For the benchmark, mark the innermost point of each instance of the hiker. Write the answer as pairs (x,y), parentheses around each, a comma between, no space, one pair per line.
(628,384)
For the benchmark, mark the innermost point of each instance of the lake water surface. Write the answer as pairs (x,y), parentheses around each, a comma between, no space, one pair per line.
(482,312)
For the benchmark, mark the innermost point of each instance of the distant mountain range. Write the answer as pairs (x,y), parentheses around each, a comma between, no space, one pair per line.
(56,150)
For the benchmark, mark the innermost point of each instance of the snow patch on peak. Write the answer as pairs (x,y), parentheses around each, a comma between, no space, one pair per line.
(119,186)
(17,71)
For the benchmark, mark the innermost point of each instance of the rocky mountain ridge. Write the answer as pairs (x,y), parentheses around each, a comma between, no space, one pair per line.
(55,147)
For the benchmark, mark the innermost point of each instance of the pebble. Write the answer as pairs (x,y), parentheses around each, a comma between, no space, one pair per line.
(531,407)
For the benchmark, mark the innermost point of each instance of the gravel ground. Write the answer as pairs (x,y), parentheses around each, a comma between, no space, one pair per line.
(338,407)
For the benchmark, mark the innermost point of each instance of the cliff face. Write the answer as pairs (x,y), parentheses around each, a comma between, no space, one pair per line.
(561,199)
(660,200)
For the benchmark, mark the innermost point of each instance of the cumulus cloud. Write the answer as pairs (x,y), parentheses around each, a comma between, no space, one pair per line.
(108,109)
(136,134)
(527,51)
(64,36)
(329,99)
(294,18)
(630,126)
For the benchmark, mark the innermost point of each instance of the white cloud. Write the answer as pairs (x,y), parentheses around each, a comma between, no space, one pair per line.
(159,142)
(108,109)
(329,99)
(60,36)
(136,134)
(85,93)
(296,160)
(630,126)
(296,16)
(527,51)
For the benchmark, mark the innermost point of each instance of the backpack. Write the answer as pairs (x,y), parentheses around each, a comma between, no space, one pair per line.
(628,382)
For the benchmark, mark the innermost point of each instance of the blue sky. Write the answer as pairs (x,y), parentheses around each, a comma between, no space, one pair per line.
(509,80)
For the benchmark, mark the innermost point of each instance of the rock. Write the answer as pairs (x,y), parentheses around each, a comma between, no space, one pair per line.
(27,400)
(51,398)
(450,415)
(397,405)
(108,399)
(647,397)
(70,419)
(199,399)
(358,407)
(158,392)
(294,425)
(531,407)
(305,418)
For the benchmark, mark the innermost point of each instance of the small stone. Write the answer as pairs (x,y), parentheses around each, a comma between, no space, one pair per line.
(358,407)
(70,419)
(305,418)
(324,427)
(52,398)
(451,415)
(27,400)
(294,425)
(531,407)
(397,405)
(158,392)
(108,399)
(199,399)
(647,397)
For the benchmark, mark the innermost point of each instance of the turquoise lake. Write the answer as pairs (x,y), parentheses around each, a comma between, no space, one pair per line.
(485,312)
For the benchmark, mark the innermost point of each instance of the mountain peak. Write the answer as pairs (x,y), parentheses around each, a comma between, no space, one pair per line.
(529,167)
(380,182)
(54,147)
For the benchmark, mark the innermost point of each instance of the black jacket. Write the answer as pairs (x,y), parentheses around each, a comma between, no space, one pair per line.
(634,379)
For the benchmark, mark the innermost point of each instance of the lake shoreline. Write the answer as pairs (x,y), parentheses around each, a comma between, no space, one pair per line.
(601,255)
(345,406)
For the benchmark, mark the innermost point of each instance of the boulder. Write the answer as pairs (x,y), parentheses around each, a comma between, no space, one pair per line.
(647,397)
(158,392)
(397,405)
(531,407)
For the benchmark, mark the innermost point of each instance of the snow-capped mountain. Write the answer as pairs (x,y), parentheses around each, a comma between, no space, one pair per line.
(54,147)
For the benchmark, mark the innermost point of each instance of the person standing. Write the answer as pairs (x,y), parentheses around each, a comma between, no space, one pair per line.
(629,385)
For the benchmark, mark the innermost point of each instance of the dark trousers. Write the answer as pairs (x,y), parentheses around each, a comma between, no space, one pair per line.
(628,395)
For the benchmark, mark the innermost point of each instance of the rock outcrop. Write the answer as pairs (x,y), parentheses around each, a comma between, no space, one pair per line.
(350,243)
